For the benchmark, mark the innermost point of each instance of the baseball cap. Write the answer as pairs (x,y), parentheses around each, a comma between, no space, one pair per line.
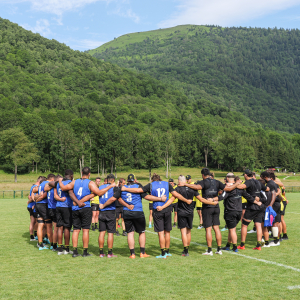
(131,177)
(171,180)
(188,177)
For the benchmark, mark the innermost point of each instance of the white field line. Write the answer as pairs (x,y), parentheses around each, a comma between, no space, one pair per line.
(293,287)
(242,255)
(286,177)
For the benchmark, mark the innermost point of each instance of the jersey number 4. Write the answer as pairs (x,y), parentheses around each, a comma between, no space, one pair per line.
(79,193)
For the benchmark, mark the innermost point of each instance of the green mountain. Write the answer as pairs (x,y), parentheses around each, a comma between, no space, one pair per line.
(76,109)
(251,70)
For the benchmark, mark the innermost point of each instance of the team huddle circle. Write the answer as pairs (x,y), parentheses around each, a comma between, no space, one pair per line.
(59,205)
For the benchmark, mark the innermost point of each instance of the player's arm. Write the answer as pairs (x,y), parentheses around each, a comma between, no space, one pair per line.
(67,187)
(48,187)
(52,184)
(153,198)
(132,190)
(213,201)
(95,190)
(234,186)
(87,198)
(57,198)
(74,199)
(40,197)
(273,198)
(122,202)
(35,190)
(168,203)
(180,197)
(108,202)
(192,186)
(278,192)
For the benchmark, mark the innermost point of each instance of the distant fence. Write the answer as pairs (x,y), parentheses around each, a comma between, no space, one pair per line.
(24,193)
(14,194)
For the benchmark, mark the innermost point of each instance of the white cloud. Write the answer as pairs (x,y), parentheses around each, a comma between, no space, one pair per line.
(41,27)
(85,44)
(224,13)
(126,13)
(57,7)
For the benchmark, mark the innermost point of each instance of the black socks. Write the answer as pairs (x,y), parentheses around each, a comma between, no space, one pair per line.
(142,250)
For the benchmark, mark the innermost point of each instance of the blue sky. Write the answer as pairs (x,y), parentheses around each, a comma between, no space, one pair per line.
(86,24)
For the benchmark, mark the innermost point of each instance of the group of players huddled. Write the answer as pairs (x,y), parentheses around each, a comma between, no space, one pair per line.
(57,204)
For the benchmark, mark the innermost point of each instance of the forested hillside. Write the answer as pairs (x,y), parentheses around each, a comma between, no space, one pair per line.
(73,108)
(251,70)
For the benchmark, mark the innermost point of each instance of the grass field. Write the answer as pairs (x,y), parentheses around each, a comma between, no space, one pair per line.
(29,273)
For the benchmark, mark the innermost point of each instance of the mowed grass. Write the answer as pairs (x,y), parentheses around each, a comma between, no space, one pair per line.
(27,272)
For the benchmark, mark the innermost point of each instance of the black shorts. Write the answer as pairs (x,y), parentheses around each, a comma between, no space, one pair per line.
(232,218)
(211,216)
(162,221)
(64,217)
(31,212)
(52,214)
(138,225)
(107,221)
(283,211)
(95,207)
(185,221)
(257,216)
(42,211)
(175,207)
(244,205)
(150,206)
(277,207)
(199,208)
(82,218)
(119,210)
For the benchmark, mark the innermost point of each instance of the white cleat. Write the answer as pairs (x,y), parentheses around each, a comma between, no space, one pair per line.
(208,253)
(266,246)
(66,252)
(219,252)
(262,240)
(251,231)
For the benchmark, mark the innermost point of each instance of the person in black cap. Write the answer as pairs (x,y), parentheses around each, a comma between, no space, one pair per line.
(175,202)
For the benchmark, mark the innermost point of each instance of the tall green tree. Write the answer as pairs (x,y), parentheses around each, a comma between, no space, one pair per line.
(17,149)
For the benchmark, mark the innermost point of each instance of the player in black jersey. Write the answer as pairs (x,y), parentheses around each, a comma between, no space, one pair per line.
(233,209)
(254,211)
(210,213)
(186,211)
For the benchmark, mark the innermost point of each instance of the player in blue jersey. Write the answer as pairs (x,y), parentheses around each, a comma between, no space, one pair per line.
(133,213)
(42,210)
(84,189)
(31,209)
(107,217)
(162,219)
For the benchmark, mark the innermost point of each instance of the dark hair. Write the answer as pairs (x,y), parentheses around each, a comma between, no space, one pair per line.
(121,179)
(262,181)
(43,179)
(86,171)
(50,176)
(110,176)
(272,176)
(155,177)
(40,178)
(236,178)
(68,172)
(265,174)
(98,178)
(212,174)
(205,171)
(57,177)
